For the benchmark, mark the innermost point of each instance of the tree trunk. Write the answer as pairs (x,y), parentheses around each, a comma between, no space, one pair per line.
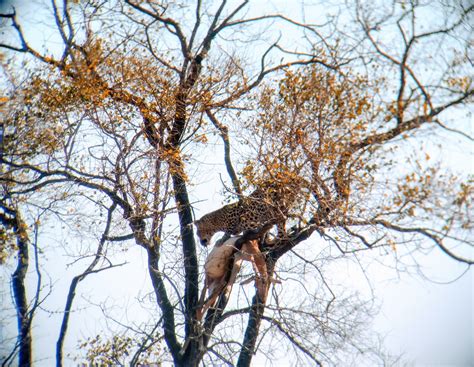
(253,325)
(21,303)
(251,333)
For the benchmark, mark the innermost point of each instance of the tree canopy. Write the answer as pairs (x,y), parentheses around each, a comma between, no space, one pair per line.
(112,130)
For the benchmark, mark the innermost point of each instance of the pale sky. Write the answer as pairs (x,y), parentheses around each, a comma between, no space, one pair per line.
(431,324)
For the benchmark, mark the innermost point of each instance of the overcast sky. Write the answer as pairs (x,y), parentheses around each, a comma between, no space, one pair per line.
(430,323)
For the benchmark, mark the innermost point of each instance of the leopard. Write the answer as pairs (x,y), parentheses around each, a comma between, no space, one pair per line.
(261,207)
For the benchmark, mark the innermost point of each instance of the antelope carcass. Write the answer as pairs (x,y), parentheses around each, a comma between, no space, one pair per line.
(218,264)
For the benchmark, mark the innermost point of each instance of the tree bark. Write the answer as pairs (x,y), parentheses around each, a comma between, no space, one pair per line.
(251,333)
(19,294)
(164,304)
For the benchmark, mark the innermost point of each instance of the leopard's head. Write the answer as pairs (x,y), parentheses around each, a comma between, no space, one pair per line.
(203,231)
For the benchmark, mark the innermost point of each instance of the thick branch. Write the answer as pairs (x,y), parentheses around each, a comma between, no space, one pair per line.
(67,38)
(340,172)
(251,333)
(18,285)
(277,251)
(191,268)
(136,223)
(25,47)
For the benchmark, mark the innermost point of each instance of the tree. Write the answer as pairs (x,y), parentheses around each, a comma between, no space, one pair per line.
(104,132)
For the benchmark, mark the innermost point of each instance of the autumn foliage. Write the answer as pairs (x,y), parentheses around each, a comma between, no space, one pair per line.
(111,130)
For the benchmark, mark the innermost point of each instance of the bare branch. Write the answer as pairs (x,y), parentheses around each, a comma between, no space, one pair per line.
(439,123)
(224,132)
(175,27)
(197,23)
(425,233)
(292,339)
(75,282)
